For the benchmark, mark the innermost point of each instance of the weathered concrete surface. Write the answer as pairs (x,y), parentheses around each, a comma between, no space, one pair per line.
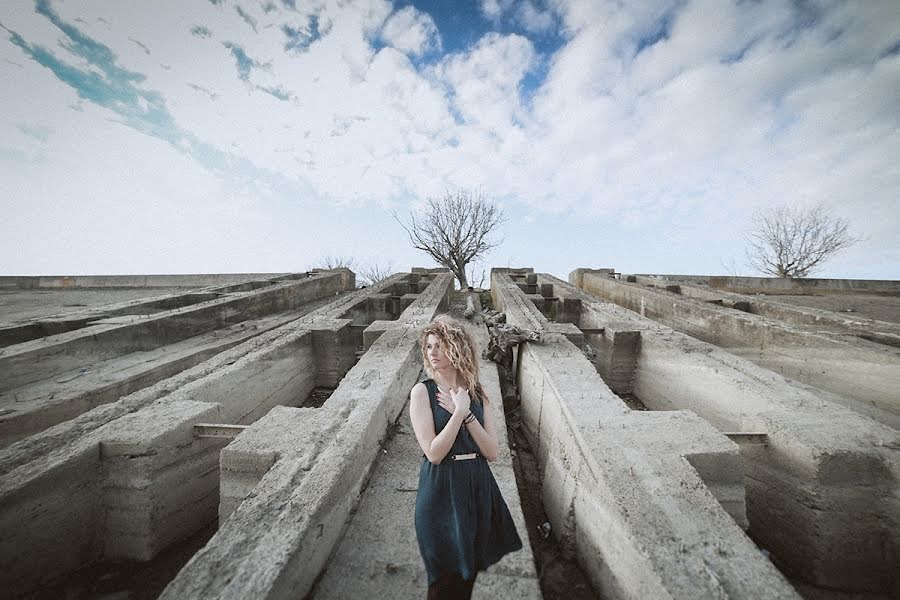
(28,282)
(279,538)
(641,496)
(45,403)
(48,381)
(31,361)
(782,285)
(822,463)
(135,456)
(378,556)
(810,319)
(866,375)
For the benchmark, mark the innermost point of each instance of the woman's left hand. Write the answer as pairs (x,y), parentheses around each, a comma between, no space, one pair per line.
(446,402)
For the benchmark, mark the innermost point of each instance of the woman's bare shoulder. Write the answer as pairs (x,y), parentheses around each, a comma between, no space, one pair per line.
(419,392)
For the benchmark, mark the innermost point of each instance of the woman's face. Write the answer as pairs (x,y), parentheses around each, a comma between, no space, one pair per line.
(435,353)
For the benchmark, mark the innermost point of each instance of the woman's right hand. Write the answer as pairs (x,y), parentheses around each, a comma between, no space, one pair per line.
(461,400)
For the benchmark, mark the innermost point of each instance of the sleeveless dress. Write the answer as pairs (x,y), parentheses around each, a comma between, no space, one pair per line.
(462,522)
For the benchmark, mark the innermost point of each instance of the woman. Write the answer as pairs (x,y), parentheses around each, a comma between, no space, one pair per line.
(462,523)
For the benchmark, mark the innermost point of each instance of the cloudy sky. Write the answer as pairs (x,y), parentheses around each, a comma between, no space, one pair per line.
(185,136)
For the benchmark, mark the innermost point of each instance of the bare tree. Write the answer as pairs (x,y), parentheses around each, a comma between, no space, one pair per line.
(374,272)
(792,242)
(334,261)
(455,229)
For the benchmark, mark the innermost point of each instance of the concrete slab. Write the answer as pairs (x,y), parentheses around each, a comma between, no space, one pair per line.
(809,319)
(632,492)
(864,374)
(274,544)
(378,555)
(797,505)
(35,360)
(136,456)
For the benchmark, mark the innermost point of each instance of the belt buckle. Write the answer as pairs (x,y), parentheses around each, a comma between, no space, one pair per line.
(465,456)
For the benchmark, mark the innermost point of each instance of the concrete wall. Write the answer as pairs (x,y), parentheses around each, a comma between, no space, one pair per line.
(127,281)
(37,391)
(35,360)
(378,555)
(275,542)
(822,463)
(140,478)
(864,375)
(642,497)
(810,319)
(781,285)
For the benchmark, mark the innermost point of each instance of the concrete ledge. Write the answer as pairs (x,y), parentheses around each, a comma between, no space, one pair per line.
(776,285)
(810,319)
(620,487)
(31,361)
(159,482)
(127,281)
(867,375)
(284,531)
(821,462)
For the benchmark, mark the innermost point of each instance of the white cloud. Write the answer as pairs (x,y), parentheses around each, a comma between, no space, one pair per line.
(411,31)
(654,116)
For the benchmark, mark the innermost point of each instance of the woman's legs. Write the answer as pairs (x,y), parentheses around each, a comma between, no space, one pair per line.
(451,587)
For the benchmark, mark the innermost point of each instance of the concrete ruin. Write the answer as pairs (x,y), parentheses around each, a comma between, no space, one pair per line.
(275,405)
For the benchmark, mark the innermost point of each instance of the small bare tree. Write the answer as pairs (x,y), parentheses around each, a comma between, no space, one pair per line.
(792,242)
(455,229)
(374,272)
(334,261)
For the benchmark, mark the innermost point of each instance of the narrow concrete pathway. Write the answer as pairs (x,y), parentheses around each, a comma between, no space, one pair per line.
(378,556)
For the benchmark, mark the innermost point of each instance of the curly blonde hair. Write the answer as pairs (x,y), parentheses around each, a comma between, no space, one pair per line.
(460,348)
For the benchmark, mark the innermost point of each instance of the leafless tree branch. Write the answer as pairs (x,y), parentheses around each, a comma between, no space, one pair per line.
(455,229)
(374,272)
(793,242)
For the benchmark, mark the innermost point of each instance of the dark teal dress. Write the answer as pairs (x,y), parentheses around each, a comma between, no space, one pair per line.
(462,523)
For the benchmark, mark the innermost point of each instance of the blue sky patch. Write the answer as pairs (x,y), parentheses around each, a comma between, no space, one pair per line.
(245,64)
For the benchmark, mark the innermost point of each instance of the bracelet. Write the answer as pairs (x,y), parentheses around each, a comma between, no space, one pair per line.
(469,418)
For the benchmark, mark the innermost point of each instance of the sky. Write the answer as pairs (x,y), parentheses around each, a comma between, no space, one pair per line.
(220,136)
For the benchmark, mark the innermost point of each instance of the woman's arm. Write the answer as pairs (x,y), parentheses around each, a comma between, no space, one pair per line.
(435,446)
(485,437)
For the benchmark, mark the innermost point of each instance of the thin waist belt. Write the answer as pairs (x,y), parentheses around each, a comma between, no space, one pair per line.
(464,456)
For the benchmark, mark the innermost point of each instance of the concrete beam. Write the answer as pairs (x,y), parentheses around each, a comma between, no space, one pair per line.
(784,285)
(275,543)
(865,376)
(809,319)
(820,463)
(35,360)
(127,281)
(135,455)
(651,502)
(378,555)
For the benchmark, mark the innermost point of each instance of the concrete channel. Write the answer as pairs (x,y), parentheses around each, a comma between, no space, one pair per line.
(378,555)
(127,479)
(821,492)
(861,374)
(291,480)
(122,348)
(652,502)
